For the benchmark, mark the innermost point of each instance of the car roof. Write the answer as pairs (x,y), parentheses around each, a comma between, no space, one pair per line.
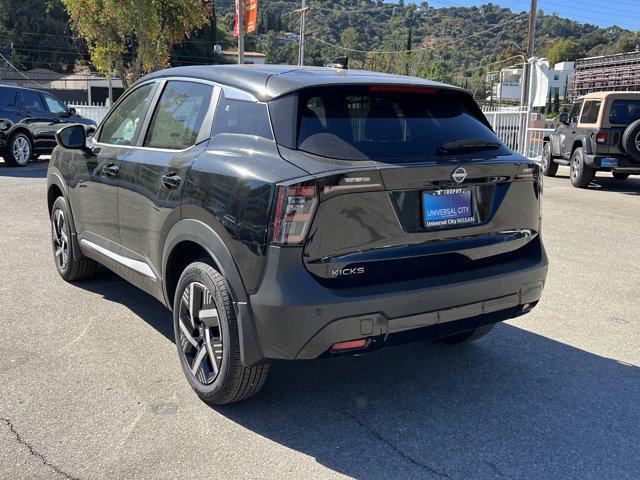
(266,82)
(2,85)
(617,94)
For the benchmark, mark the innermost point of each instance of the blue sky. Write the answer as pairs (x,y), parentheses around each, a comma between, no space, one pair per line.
(624,13)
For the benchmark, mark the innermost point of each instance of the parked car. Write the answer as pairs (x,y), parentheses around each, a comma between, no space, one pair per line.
(29,120)
(298,213)
(601,133)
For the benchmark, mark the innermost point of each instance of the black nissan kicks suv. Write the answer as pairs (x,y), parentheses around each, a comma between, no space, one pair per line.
(29,120)
(294,213)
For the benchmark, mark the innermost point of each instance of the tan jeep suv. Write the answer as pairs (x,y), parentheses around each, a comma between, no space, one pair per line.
(602,132)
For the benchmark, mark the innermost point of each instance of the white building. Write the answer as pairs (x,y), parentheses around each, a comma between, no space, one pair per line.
(231,56)
(545,80)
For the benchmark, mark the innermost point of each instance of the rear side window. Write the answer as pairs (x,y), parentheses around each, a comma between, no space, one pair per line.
(54,105)
(590,112)
(240,117)
(179,115)
(624,112)
(7,97)
(31,101)
(122,124)
(385,123)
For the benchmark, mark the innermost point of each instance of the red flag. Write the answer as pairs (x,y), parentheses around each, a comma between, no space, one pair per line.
(250,16)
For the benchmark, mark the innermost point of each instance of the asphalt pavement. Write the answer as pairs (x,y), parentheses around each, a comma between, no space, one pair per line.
(91,387)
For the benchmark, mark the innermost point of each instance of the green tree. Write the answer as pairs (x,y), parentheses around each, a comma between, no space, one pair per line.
(629,42)
(135,36)
(408,53)
(556,100)
(42,39)
(549,107)
(563,51)
(350,38)
(270,48)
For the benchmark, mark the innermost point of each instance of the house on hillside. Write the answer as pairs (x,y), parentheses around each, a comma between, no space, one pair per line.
(231,56)
(546,80)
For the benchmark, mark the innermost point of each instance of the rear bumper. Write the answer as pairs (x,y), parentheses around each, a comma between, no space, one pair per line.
(296,318)
(624,163)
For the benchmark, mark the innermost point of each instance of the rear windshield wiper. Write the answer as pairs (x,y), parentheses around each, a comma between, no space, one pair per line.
(468,144)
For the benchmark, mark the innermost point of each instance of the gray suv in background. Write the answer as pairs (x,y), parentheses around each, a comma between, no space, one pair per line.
(295,213)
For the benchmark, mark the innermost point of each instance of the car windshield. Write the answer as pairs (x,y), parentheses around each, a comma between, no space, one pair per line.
(390,123)
(624,112)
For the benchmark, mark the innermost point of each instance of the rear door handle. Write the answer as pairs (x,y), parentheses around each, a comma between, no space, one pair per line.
(171,180)
(110,170)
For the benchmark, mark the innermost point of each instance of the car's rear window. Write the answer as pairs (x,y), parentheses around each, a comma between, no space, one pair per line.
(624,112)
(382,123)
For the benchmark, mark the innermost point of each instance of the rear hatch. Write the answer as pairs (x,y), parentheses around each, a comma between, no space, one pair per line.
(409,183)
(622,112)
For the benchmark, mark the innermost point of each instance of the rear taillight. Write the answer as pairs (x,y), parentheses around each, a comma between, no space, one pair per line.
(601,138)
(295,206)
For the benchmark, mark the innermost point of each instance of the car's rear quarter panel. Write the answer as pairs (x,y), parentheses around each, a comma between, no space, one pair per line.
(230,188)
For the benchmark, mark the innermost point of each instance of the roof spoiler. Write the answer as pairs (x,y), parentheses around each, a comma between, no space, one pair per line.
(340,62)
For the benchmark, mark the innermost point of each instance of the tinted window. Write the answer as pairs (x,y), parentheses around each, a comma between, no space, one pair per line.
(590,112)
(7,97)
(31,101)
(54,105)
(624,112)
(239,117)
(575,111)
(122,124)
(356,123)
(179,115)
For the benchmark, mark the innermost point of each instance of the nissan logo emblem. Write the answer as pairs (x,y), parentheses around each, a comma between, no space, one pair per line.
(459,175)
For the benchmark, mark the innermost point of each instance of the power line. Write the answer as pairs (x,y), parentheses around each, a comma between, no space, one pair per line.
(460,72)
(21,74)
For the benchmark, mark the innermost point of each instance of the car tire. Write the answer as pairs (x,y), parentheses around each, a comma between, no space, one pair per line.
(72,266)
(19,150)
(620,175)
(581,174)
(549,167)
(468,336)
(631,140)
(209,344)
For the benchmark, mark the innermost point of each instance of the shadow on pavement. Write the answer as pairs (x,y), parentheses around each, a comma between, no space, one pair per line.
(33,170)
(114,288)
(630,186)
(605,182)
(513,405)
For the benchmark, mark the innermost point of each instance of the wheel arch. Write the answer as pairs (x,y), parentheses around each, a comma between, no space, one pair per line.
(190,239)
(20,128)
(581,142)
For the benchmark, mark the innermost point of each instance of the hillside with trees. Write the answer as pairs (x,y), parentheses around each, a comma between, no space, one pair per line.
(454,44)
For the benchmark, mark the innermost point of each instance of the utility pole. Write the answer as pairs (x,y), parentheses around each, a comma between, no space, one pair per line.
(303,28)
(241,13)
(530,50)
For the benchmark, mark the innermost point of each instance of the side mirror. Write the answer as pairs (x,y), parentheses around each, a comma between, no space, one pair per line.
(72,111)
(564,118)
(72,137)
